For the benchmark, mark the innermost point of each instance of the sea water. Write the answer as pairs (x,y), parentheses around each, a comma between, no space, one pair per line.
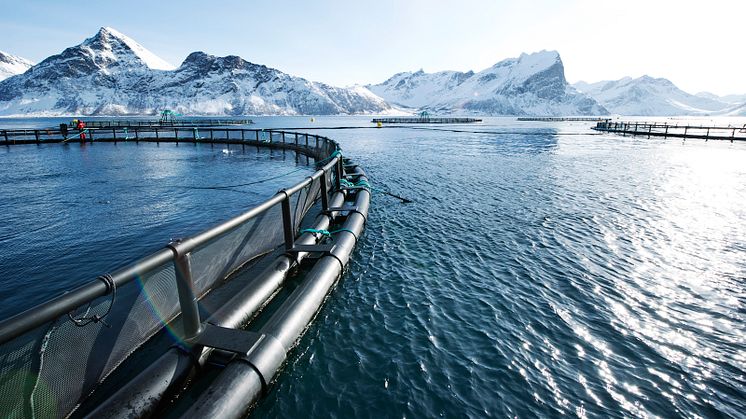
(542,270)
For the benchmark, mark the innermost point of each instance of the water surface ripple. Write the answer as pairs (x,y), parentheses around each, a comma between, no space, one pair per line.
(540,273)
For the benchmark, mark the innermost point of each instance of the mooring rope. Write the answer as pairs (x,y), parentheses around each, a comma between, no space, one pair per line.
(85,320)
(77,134)
(327,233)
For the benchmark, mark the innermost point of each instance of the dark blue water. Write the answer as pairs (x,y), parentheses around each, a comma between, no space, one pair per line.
(542,271)
(72,212)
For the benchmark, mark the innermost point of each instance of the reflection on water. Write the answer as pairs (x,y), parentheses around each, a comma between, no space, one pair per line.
(73,212)
(542,271)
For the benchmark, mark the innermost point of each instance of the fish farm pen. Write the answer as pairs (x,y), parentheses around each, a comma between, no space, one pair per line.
(56,358)
(561,119)
(164,123)
(425,120)
(658,129)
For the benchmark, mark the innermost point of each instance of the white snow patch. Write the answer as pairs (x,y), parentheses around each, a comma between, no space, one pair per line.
(151,60)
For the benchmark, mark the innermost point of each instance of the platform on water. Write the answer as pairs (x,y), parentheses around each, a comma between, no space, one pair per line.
(663,129)
(161,123)
(561,118)
(424,120)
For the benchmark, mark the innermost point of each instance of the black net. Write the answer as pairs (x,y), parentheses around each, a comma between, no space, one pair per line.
(50,370)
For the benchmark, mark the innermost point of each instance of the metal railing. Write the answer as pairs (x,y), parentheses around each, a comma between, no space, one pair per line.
(662,129)
(425,120)
(322,149)
(253,136)
(169,123)
(70,344)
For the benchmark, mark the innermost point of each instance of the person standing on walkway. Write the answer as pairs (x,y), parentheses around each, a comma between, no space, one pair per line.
(81,128)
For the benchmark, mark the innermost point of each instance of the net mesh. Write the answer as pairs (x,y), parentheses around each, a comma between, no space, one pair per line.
(50,370)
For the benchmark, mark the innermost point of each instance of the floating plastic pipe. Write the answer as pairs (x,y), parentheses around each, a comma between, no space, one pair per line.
(244,379)
(140,397)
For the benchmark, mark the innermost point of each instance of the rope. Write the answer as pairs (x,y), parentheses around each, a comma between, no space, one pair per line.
(327,233)
(85,320)
(360,183)
(335,154)
(77,134)
(314,231)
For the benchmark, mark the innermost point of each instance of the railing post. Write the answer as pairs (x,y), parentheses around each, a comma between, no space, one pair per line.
(339,172)
(287,223)
(188,301)
(324,193)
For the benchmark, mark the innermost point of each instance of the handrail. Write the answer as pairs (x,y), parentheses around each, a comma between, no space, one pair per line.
(21,323)
(664,129)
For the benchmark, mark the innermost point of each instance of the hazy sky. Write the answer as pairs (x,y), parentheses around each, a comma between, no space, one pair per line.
(696,44)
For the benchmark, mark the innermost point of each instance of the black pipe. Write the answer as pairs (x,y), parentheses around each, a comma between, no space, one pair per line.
(243,380)
(141,396)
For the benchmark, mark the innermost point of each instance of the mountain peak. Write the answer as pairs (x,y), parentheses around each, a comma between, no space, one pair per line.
(10,65)
(108,39)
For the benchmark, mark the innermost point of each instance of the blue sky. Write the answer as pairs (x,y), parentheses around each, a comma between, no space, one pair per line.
(695,44)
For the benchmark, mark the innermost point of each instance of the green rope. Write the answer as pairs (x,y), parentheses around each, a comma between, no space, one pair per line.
(314,231)
(333,155)
(327,233)
(360,183)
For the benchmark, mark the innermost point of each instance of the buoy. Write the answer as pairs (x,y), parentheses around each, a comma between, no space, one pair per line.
(313,119)
(379,124)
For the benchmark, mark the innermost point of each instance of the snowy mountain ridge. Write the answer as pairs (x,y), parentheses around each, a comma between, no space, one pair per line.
(10,65)
(111,74)
(532,84)
(649,96)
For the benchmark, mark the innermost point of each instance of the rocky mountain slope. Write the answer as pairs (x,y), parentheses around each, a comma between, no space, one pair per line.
(532,84)
(111,74)
(648,96)
(10,65)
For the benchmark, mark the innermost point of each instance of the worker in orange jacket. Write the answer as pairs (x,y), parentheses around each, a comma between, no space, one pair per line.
(81,128)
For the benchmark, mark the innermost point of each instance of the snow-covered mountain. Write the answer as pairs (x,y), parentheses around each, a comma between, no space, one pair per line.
(532,84)
(648,96)
(731,99)
(10,65)
(111,74)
